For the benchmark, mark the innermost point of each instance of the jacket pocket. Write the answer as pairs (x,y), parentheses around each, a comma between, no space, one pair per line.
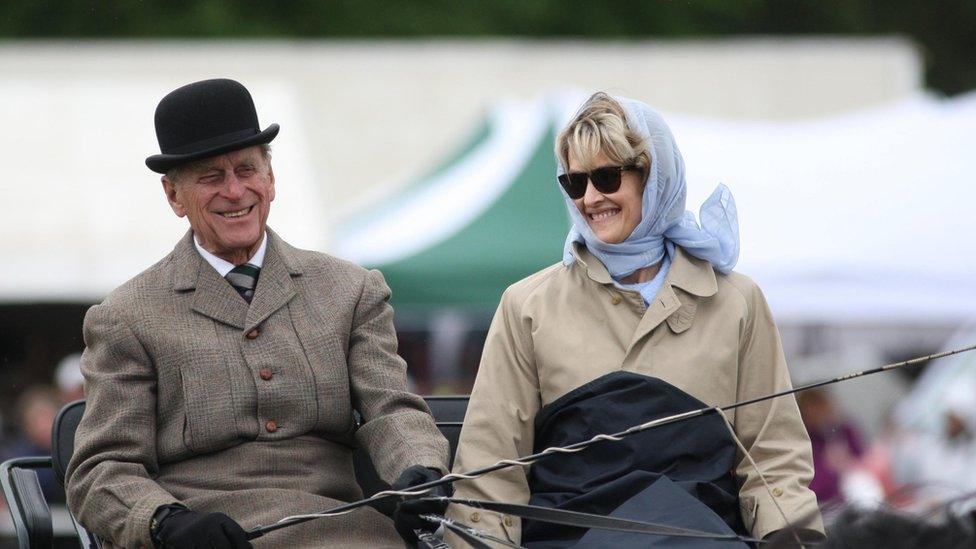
(209,403)
(748,505)
(327,362)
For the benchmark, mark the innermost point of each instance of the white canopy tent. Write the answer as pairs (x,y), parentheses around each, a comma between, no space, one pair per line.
(864,217)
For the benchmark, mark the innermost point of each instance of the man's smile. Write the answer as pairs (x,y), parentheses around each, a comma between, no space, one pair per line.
(238,213)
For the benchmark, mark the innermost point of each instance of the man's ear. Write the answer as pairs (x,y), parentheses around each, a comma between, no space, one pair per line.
(271,193)
(169,187)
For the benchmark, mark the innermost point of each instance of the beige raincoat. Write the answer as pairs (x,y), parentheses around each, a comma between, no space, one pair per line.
(710,335)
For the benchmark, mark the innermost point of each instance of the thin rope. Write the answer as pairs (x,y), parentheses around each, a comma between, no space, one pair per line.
(470,530)
(528,460)
(762,477)
(374,497)
(576,447)
(585,520)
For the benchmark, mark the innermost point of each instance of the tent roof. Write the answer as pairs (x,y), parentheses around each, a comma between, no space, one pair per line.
(480,221)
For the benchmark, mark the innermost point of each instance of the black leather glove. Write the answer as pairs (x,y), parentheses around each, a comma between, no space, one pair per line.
(406,518)
(177,527)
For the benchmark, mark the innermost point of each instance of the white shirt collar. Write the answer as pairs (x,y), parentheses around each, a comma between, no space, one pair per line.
(223,267)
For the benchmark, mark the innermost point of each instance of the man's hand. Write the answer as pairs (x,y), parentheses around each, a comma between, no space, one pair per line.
(406,518)
(182,528)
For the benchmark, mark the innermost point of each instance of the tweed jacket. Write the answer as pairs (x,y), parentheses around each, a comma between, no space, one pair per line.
(196,396)
(710,335)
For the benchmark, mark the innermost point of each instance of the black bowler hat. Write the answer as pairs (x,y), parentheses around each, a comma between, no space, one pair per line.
(205,119)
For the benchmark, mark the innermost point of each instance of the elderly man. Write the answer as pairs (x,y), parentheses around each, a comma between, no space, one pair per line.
(222,380)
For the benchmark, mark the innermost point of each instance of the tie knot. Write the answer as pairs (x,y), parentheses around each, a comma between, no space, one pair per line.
(244,278)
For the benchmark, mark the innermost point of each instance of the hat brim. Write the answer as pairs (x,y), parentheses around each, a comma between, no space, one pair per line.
(162,163)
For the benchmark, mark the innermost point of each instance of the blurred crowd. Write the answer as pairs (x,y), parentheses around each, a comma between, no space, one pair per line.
(28,431)
(902,466)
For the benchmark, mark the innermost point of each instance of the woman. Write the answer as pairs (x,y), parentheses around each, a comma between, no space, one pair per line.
(643,318)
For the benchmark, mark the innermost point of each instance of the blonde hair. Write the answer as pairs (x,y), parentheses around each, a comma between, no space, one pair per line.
(600,126)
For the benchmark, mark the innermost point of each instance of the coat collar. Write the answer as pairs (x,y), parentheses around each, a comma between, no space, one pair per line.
(214,296)
(688,279)
(693,275)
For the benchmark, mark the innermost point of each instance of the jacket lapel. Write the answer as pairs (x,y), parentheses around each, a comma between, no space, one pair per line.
(216,298)
(664,305)
(687,281)
(212,295)
(275,287)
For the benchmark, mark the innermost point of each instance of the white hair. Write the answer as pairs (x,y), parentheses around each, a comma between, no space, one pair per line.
(174,173)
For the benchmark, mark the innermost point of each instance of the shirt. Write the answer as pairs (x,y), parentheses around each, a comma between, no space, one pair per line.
(222,266)
(649,289)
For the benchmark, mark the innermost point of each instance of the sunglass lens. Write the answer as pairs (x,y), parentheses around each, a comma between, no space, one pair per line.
(606,180)
(574,184)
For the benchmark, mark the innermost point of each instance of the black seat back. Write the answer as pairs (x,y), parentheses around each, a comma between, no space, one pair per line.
(63,437)
(28,508)
(62,448)
(448,412)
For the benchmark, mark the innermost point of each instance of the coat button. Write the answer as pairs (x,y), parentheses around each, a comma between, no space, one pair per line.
(508,521)
(271,426)
(476,517)
(265,374)
(615,299)
(253,334)
(777,491)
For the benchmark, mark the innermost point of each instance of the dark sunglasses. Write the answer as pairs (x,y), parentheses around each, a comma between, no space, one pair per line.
(606,180)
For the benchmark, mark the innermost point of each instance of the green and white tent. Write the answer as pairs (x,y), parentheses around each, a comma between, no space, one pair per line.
(876,229)
(489,215)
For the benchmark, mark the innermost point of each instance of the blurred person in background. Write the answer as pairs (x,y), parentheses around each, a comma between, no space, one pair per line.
(836,444)
(946,457)
(70,382)
(221,382)
(879,460)
(643,318)
(36,409)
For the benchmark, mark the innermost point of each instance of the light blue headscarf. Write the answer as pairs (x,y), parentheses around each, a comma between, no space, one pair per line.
(663,216)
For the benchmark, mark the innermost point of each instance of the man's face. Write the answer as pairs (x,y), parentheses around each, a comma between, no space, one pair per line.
(227,199)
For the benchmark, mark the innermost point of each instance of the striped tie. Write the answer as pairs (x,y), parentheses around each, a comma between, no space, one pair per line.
(244,278)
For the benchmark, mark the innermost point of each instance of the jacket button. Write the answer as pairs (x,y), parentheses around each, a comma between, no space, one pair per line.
(476,517)
(615,299)
(777,491)
(253,334)
(265,374)
(508,521)
(271,426)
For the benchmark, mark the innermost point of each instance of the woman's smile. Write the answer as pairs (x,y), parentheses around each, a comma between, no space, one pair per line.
(604,215)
